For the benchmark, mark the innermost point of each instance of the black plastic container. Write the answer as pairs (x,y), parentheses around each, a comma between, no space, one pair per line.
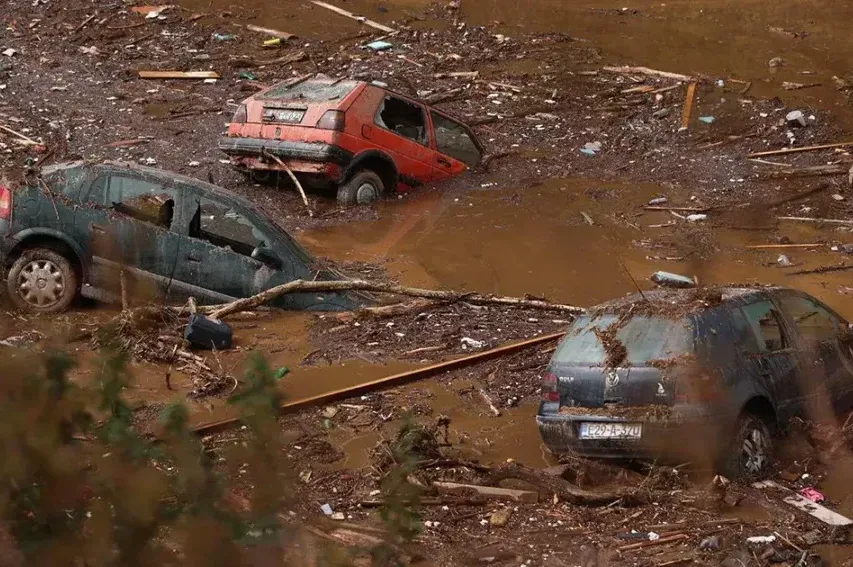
(204,332)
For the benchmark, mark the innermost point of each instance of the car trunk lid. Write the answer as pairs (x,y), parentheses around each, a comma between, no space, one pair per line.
(302,103)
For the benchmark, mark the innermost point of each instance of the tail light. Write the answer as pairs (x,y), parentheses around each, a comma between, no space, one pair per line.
(332,120)
(242,115)
(549,388)
(5,203)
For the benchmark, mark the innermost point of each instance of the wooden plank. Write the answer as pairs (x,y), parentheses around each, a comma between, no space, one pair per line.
(688,105)
(388,381)
(488,491)
(178,75)
(767,246)
(270,31)
(683,209)
(342,12)
(650,543)
(810,219)
(626,70)
(799,150)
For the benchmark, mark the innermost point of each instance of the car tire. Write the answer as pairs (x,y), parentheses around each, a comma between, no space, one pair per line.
(363,188)
(42,280)
(751,449)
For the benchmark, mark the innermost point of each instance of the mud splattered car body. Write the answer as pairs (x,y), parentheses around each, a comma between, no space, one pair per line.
(361,138)
(73,230)
(707,375)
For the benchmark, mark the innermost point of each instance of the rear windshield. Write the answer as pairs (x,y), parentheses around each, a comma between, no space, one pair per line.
(644,338)
(312,91)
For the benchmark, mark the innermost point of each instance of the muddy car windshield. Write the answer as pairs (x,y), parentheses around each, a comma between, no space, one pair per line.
(312,91)
(592,340)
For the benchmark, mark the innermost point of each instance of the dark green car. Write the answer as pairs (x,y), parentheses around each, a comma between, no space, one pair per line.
(73,230)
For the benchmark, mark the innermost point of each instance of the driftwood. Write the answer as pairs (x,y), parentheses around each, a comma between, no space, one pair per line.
(294,179)
(799,150)
(625,70)
(302,286)
(348,14)
(563,489)
(822,270)
(810,219)
(815,170)
(388,311)
(688,105)
(490,492)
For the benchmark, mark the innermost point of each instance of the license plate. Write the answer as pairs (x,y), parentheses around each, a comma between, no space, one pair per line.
(283,116)
(595,430)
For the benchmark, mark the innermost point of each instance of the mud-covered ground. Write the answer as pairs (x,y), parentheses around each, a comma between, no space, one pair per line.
(545,218)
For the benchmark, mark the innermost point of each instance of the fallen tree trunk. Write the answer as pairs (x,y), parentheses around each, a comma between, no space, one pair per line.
(564,490)
(302,286)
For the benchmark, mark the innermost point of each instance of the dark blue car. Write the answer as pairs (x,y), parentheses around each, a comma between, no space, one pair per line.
(699,375)
(72,230)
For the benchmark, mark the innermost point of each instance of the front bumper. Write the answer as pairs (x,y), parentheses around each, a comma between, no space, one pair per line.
(692,440)
(283,149)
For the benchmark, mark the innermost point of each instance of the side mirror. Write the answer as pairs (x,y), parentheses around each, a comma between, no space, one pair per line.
(267,256)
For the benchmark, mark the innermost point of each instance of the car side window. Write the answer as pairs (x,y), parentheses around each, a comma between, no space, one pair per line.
(744,336)
(223,225)
(815,324)
(140,199)
(403,118)
(454,139)
(766,323)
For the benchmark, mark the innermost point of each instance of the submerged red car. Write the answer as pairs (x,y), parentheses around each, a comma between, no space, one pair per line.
(362,139)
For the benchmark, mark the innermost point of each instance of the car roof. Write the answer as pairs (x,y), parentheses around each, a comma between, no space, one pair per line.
(154,172)
(674,302)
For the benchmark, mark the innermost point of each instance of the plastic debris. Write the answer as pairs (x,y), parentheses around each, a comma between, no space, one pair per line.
(653,536)
(707,119)
(327,509)
(813,494)
(658,201)
(668,279)
(761,539)
(10,52)
(473,343)
(662,113)
(339,516)
(274,42)
(223,36)
(711,543)
(783,261)
(379,45)
(796,118)
(696,217)
(205,332)
(248,76)
(591,148)
(281,372)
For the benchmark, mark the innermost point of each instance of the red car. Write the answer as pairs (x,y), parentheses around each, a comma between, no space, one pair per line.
(361,138)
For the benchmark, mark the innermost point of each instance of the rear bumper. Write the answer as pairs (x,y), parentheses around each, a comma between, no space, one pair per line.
(283,149)
(695,440)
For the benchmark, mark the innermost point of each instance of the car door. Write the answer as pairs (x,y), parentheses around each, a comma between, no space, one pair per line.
(400,128)
(776,366)
(829,374)
(127,222)
(216,262)
(457,149)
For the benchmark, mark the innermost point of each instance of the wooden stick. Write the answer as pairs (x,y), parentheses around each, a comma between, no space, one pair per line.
(766,246)
(342,12)
(85,22)
(798,150)
(809,219)
(627,70)
(123,282)
(178,75)
(495,411)
(688,105)
(665,89)
(686,209)
(295,181)
(270,31)
(393,380)
(668,539)
(299,286)
(19,135)
(823,270)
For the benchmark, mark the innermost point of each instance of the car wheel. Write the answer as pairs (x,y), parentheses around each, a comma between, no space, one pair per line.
(42,280)
(363,188)
(751,450)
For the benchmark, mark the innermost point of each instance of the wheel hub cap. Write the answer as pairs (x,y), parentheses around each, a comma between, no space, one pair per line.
(41,283)
(366,193)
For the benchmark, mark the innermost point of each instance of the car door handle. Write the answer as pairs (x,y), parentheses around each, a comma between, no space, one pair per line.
(444,162)
(99,228)
(193,257)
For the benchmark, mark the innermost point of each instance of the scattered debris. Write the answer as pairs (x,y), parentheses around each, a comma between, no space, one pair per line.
(350,15)
(178,75)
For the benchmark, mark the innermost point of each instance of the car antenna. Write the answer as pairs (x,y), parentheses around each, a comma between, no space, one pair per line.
(636,285)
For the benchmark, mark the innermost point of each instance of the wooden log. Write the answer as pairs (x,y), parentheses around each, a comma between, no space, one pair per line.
(799,150)
(270,31)
(768,246)
(294,179)
(488,491)
(393,380)
(627,70)
(661,541)
(302,286)
(342,12)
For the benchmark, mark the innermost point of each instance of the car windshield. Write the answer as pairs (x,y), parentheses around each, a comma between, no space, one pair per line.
(311,91)
(644,338)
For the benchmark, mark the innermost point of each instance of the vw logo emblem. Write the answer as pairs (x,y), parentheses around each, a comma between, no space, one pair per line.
(612,379)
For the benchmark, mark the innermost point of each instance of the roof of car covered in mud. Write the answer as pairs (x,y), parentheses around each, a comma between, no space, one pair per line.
(673,302)
(154,172)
